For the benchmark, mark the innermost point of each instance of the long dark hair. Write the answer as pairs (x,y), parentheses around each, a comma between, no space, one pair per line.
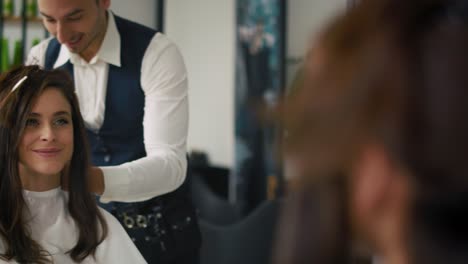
(395,71)
(15,107)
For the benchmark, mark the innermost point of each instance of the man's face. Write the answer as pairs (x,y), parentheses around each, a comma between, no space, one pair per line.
(80,25)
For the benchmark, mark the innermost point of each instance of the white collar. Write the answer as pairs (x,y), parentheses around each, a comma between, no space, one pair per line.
(43,194)
(109,51)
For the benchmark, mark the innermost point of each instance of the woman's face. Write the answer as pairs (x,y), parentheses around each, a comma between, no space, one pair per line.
(46,146)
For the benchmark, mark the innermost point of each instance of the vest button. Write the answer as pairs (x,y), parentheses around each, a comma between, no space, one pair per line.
(107,158)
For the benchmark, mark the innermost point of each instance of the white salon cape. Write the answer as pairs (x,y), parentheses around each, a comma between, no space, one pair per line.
(54,229)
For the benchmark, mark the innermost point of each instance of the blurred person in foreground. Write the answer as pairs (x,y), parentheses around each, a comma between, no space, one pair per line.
(378,133)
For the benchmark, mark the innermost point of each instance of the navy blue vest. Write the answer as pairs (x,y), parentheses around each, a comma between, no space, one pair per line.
(120,138)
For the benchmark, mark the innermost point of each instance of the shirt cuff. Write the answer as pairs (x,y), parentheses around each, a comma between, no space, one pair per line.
(116,183)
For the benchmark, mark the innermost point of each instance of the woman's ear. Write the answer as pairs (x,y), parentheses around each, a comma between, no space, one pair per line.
(370,179)
(379,189)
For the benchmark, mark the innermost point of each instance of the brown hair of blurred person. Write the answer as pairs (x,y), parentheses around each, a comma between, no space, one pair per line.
(380,134)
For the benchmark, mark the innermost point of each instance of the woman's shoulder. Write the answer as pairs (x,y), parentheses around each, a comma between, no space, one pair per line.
(115,228)
(117,246)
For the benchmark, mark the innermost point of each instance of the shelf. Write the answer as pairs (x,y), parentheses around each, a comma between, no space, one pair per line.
(19,19)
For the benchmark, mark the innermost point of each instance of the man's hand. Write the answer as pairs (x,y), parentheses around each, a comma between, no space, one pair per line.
(96,181)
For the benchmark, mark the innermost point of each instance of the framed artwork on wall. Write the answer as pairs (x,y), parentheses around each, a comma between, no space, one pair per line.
(260,53)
